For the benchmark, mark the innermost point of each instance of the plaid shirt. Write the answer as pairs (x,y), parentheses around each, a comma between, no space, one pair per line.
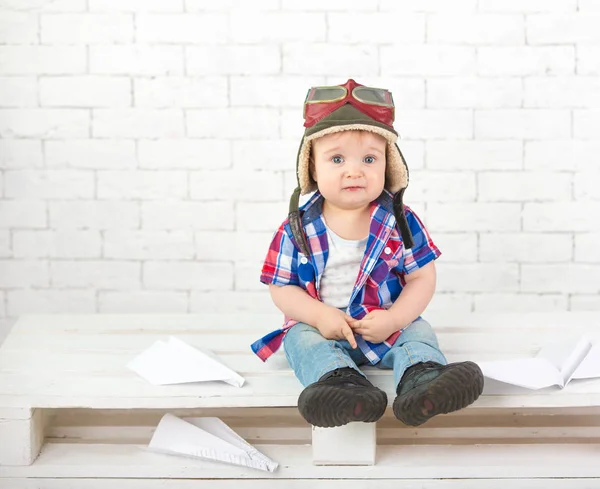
(382,270)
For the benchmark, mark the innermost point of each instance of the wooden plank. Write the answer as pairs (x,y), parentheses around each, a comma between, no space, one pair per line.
(76,356)
(415,462)
(107,354)
(266,322)
(277,415)
(21,438)
(398,435)
(107,323)
(278,389)
(497,340)
(290,415)
(94,363)
(493,341)
(285,426)
(93,332)
(529,483)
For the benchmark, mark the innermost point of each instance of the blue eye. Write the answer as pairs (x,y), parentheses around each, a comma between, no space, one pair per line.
(369,159)
(337,159)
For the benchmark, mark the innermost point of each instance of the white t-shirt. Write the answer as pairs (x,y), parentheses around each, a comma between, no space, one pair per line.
(341,269)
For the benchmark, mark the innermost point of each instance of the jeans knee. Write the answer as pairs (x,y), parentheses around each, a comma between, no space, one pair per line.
(419,331)
(300,338)
(297,333)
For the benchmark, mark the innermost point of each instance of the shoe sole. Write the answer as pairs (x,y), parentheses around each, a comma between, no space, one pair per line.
(456,387)
(327,406)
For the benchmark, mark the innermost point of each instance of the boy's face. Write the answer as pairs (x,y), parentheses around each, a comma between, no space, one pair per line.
(349,168)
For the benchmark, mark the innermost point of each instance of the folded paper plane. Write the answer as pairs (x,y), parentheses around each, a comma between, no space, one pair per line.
(175,362)
(207,438)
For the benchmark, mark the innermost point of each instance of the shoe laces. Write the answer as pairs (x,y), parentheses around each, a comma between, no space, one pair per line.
(415,372)
(348,376)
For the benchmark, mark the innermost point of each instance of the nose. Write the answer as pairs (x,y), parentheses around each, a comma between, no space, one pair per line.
(353,169)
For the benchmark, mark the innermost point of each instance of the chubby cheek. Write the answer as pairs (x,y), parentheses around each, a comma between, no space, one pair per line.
(329,179)
(376,179)
(329,187)
(377,176)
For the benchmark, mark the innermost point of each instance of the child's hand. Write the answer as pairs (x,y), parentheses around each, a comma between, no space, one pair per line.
(333,324)
(376,326)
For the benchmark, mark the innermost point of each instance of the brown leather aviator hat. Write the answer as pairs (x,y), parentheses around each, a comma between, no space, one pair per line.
(350,107)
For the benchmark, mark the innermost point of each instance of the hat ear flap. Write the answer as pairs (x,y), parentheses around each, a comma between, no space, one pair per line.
(312,170)
(396,172)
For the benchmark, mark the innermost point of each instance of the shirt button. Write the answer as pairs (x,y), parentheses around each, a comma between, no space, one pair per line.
(303,260)
(387,250)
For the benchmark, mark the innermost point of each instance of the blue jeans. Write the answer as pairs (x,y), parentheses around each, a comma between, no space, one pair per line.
(312,356)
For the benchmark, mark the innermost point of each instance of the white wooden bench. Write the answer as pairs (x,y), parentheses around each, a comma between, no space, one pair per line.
(73,416)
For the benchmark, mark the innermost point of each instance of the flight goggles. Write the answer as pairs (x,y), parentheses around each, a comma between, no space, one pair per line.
(376,103)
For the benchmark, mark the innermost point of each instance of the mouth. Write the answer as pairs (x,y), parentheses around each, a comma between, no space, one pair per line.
(353,189)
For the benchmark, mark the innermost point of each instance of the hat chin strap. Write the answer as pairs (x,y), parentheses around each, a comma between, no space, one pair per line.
(401,219)
(296,223)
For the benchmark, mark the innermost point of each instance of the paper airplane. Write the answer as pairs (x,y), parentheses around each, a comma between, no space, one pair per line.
(176,362)
(556,364)
(207,438)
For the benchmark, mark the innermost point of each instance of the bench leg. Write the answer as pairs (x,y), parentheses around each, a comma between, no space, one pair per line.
(352,444)
(22,435)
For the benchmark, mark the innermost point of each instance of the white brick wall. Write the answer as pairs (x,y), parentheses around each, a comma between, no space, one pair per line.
(86,28)
(62,243)
(42,60)
(141,184)
(17,27)
(84,91)
(136,59)
(147,147)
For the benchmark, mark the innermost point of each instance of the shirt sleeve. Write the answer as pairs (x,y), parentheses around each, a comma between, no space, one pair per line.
(424,249)
(281,263)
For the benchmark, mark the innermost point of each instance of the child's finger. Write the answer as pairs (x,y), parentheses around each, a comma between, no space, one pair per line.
(347,332)
(361,331)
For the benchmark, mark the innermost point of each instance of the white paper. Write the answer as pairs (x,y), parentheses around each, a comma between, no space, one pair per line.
(207,438)
(493,387)
(554,365)
(590,366)
(566,355)
(176,362)
(532,373)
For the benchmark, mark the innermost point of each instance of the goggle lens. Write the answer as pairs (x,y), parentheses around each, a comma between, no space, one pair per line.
(373,96)
(325,94)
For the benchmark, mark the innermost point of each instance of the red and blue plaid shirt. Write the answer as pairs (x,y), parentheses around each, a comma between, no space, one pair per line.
(382,270)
